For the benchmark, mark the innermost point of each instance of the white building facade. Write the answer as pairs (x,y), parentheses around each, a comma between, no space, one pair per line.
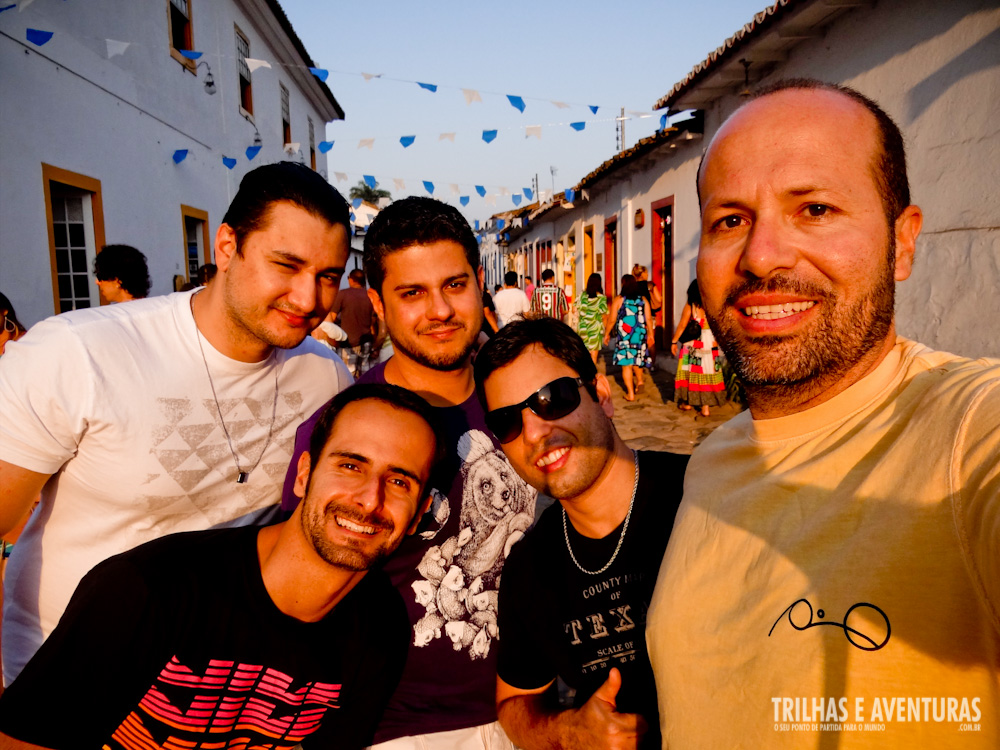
(934,67)
(115,135)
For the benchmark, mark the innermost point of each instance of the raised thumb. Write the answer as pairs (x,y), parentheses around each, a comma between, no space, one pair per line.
(608,692)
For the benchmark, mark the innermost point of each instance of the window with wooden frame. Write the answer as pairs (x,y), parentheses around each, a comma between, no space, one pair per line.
(74,215)
(312,144)
(179,30)
(246,83)
(196,247)
(286,116)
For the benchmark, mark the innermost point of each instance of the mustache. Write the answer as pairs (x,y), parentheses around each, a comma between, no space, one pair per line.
(449,326)
(775,285)
(365,519)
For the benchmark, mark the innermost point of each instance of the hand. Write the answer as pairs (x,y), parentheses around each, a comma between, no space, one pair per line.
(673,348)
(597,723)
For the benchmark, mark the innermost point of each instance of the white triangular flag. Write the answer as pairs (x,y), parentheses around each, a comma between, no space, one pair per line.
(454,188)
(517,222)
(368,143)
(291,148)
(544,195)
(398,183)
(116,47)
(491,199)
(447,137)
(471,95)
(254,64)
(384,201)
(533,130)
(24,4)
(369,76)
(561,105)
(504,191)
(341,176)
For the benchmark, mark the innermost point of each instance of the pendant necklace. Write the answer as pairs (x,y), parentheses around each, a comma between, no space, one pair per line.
(242,475)
(621,537)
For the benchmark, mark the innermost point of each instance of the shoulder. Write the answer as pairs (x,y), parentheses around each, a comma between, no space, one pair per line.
(948,382)
(319,359)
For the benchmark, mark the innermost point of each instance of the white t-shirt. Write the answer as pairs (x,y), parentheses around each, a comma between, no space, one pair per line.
(510,302)
(115,403)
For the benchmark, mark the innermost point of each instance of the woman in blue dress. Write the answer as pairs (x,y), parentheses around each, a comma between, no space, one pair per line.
(629,317)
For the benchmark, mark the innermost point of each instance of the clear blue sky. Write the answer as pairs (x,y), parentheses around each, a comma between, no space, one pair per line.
(610,54)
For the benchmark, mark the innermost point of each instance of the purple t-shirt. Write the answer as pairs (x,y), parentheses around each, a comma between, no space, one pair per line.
(448,574)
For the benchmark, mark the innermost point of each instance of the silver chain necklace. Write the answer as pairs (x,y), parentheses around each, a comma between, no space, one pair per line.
(621,537)
(241,475)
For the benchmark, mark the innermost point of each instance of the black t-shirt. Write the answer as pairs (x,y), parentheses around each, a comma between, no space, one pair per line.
(558,620)
(177,641)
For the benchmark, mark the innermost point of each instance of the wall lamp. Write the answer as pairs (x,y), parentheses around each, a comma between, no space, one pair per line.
(209,81)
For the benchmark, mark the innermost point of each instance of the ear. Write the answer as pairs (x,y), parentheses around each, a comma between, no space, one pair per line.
(907,229)
(225,246)
(423,507)
(481,278)
(376,301)
(604,396)
(302,477)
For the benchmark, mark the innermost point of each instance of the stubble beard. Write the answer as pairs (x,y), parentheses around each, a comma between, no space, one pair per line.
(314,523)
(444,361)
(247,320)
(593,460)
(837,341)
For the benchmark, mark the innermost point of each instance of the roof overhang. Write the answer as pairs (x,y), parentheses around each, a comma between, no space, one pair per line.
(764,42)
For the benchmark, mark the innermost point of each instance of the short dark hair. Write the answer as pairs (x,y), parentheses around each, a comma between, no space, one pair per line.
(554,336)
(889,160)
(283,181)
(510,278)
(394,396)
(206,273)
(125,263)
(527,278)
(357,276)
(694,294)
(416,220)
(547,274)
(595,285)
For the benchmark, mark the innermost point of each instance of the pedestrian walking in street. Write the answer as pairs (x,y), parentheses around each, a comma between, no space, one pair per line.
(629,319)
(699,382)
(593,308)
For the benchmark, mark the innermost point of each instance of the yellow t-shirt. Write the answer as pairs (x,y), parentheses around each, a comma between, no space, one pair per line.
(833,578)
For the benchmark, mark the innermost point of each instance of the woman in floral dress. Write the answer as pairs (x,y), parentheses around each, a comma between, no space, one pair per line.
(630,316)
(593,309)
(699,381)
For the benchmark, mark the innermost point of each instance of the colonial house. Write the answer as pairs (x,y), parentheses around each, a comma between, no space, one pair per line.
(934,67)
(134,122)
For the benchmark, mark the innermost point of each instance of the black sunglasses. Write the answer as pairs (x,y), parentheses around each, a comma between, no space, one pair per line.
(552,401)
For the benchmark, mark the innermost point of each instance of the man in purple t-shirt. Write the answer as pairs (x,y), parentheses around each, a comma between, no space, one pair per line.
(422,263)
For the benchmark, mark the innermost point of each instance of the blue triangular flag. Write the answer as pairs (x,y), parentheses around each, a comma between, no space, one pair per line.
(506,237)
(516,102)
(464,200)
(356,202)
(325,146)
(230,163)
(501,223)
(352,216)
(190,54)
(370,181)
(180,155)
(594,108)
(429,186)
(570,195)
(320,73)
(663,121)
(477,225)
(529,193)
(407,140)
(37,36)
(252,151)
(7,7)
(516,198)
(481,190)
(578,125)
(428,86)
(489,135)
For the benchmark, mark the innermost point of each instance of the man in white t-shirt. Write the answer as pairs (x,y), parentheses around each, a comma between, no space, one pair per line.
(175,413)
(833,578)
(510,301)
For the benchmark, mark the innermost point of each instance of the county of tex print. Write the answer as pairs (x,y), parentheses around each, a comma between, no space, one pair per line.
(461,576)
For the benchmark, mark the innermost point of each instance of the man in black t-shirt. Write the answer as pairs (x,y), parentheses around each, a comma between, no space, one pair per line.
(248,637)
(575,591)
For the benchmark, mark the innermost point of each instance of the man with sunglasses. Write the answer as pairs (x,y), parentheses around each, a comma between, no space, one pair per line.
(422,263)
(575,591)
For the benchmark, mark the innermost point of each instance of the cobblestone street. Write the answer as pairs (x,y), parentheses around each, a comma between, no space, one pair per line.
(653,421)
